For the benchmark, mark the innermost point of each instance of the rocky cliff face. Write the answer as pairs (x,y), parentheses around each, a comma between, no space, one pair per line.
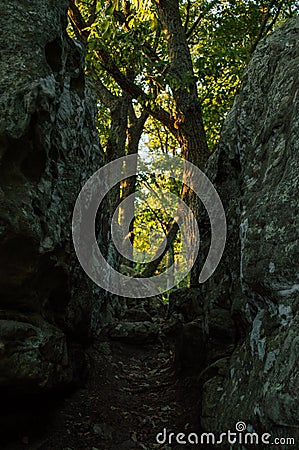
(48,148)
(256,172)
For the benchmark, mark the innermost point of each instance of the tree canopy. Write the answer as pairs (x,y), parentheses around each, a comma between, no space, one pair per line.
(166,73)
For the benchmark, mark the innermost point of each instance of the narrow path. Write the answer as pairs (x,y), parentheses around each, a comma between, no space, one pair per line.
(132,394)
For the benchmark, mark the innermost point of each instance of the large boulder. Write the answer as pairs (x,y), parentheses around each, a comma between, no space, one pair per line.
(256,172)
(136,333)
(48,148)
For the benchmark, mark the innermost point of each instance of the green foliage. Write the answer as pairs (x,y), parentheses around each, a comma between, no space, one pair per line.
(221,48)
(221,37)
(153,220)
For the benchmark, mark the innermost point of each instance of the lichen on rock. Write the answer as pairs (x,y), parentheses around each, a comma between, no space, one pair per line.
(48,148)
(256,172)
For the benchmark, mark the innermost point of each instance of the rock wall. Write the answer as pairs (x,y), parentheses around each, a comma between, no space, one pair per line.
(48,148)
(256,172)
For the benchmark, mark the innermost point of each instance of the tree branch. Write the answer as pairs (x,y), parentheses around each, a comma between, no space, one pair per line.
(119,77)
(263,26)
(271,24)
(135,128)
(104,94)
(194,26)
(152,266)
(92,15)
(77,21)
(187,15)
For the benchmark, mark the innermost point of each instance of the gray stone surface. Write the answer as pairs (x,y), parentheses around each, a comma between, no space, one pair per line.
(185,304)
(48,148)
(135,332)
(190,348)
(201,337)
(256,172)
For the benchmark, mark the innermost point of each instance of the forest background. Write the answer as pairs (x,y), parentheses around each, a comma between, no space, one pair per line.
(165,74)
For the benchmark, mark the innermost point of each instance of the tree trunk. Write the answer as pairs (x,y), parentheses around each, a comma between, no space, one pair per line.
(152,266)
(134,133)
(170,265)
(115,149)
(188,118)
(186,125)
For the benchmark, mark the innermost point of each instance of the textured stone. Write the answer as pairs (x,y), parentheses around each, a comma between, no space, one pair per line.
(190,347)
(154,306)
(221,334)
(256,172)
(136,315)
(185,304)
(48,148)
(29,351)
(198,344)
(135,332)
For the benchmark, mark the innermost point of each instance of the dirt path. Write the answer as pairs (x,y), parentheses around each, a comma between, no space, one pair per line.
(132,394)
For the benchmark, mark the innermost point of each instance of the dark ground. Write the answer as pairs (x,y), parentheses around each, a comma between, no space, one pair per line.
(131,395)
